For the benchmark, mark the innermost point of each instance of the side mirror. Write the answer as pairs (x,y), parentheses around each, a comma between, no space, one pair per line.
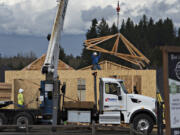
(63,89)
(119,97)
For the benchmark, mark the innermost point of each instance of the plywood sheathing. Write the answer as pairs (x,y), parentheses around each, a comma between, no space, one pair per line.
(137,80)
(147,84)
(128,82)
(38,63)
(31,92)
(108,65)
(71,88)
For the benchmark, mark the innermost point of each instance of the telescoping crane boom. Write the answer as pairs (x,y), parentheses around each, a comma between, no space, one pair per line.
(50,86)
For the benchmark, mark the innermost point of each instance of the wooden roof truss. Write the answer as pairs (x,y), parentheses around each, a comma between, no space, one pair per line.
(134,56)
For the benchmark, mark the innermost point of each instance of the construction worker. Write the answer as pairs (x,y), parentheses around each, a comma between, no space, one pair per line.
(135,90)
(95,60)
(20,98)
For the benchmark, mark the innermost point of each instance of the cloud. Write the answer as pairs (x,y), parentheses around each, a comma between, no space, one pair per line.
(32,17)
(98,13)
(5,16)
(25,18)
(29,17)
(162,9)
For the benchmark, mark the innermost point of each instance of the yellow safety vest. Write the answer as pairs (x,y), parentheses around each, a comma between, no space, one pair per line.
(20,99)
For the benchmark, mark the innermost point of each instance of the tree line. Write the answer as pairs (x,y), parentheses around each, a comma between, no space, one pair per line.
(147,35)
(17,62)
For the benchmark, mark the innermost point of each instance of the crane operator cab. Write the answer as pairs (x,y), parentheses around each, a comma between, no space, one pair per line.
(46,98)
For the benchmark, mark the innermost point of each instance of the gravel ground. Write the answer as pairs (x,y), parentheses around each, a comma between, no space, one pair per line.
(73,131)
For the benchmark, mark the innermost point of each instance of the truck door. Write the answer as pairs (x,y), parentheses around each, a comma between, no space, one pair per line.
(114,97)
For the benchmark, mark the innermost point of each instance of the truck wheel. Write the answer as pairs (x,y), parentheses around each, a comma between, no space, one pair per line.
(142,123)
(22,120)
(3,120)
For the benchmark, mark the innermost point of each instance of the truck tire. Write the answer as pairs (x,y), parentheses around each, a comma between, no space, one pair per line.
(3,120)
(142,123)
(22,120)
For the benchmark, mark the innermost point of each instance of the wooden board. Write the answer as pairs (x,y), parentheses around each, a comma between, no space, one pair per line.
(108,65)
(128,82)
(5,91)
(133,56)
(38,63)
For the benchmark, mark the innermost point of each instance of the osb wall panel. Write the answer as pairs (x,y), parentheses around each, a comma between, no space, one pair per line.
(113,67)
(90,87)
(137,81)
(37,64)
(31,92)
(107,65)
(71,88)
(127,82)
(148,80)
(30,75)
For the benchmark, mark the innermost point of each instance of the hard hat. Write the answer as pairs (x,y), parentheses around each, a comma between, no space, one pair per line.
(21,90)
(95,53)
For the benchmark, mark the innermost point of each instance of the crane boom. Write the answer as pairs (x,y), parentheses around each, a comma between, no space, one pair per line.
(52,56)
(49,90)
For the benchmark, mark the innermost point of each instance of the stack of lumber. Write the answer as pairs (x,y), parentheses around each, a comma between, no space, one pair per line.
(5,91)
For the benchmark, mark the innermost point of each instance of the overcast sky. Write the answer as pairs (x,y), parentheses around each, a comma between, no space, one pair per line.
(35,17)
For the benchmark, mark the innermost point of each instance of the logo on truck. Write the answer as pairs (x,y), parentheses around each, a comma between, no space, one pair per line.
(110,99)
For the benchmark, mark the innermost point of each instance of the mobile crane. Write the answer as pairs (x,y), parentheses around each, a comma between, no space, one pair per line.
(50,87)
(49,111)
(116,106)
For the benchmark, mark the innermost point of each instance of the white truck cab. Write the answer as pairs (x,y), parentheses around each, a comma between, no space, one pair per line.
(117,106)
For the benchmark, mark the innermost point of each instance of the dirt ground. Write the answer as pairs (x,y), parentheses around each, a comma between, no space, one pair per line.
(70,131)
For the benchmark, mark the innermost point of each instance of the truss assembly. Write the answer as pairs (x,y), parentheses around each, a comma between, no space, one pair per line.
(134,56)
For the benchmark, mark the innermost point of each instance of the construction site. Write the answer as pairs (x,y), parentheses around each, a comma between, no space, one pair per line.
(49,96)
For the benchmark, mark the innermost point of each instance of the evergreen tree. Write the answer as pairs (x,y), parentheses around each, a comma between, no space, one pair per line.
(151,32)
(179,33)
(169,35)
(113,29)
(103,28)
(129,29)
(122,29)
(86,54)
(92,32)
(62,55)
(159,33)
(146,35)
